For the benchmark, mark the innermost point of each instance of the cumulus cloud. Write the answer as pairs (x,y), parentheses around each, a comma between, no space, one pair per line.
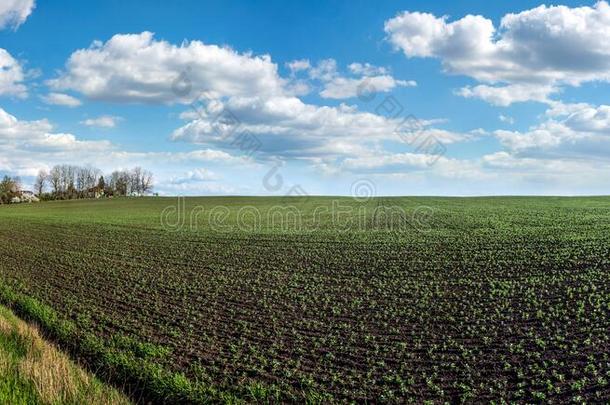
(366,69)
(139,68)
(324,70)
(558,108)
(496,173)
(28,146)
(366,79)
(39,135)
(195,176)
(298,65)
(211,155)
(197,188)
(284,125)
(504,96)
(13,13)
(416,165)
(342,88)
(388,161)
(104,121)
(289,128)
(548,46)
(61,99)
(563,175)
(576,130)
(11,76)
(590,119)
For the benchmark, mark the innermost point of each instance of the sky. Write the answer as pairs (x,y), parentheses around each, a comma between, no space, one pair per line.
(311,98)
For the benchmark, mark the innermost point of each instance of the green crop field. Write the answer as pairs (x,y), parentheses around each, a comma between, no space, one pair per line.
(322,299)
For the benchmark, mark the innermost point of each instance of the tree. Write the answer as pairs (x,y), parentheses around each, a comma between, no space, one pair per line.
(81,181)
(120,182)
(68,181)
(40,182)
(140,181)
(9,188)
(135,180)
(55,180)
(101,184)
(146,182)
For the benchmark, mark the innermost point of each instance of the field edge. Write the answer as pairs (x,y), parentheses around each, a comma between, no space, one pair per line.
(35,370)
(137,377)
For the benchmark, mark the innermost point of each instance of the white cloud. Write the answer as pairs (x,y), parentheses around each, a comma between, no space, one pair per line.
(590,119)
(287,127)
(558,108)
(507,119)
(104,121)
(28,146)
(386,161)
(212,155)
(366,69)
(576,130)
(496,173)
(37,135)
(368,80)
(11,76)
(195,176)
(551,176)
(325,70)
(548,46)
(138,68)
(196,188)
(61,99)
(13,13)
(298,65)
(504,96)
(416,164)
(342,88)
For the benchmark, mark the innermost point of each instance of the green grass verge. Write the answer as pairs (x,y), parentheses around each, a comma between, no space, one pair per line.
(32,371)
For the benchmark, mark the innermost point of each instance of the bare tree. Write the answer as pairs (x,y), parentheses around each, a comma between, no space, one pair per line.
(68,181)
(135,177)
(55,180)
(81,180)
(120,182)
(146,182)
(40,182)
(114,179)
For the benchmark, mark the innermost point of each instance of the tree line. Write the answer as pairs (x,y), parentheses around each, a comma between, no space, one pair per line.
(64,182)
(69,182)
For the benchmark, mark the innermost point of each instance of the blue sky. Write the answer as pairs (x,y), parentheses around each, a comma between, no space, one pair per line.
(498,98)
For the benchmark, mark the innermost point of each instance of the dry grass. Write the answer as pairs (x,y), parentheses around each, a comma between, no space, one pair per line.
(55,379)
(5,326)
